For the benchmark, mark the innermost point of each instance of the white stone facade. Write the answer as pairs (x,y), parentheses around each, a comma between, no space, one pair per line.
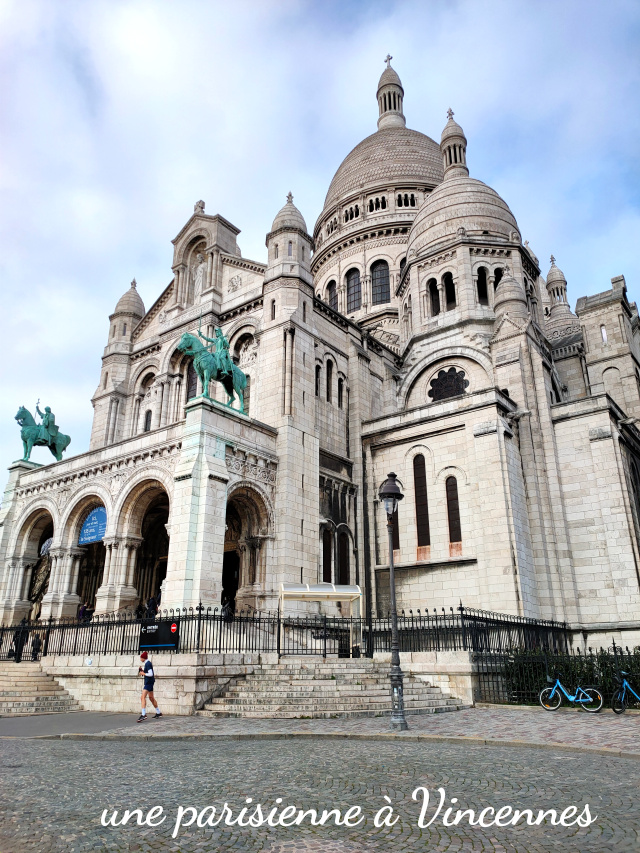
(412,332)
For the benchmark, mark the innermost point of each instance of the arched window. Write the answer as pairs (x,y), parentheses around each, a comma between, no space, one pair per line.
(380,291)
(399,200)
(603,332)
(113,330)
(449,291)
(383,203)
(453,513)
(403,263)
(147,421)
(192,382)
(276,251)
(483,296)
(106,379)
(273,309)
(327,548)
(124,329)
(290,249)
(434,297)
(395,530)
(422,505)
(497,277)
(302,253)
(343,558)
(340,392)
(332,295)
(354,296)
(329,380)
(318,376)
(412,200)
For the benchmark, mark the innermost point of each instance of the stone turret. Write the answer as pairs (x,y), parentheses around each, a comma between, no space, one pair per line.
(560,313)
(390,95)
(510,298)
(453,145)
(289,245)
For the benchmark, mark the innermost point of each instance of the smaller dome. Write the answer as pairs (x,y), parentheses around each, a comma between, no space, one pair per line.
(510,297)
(452,128)
(131,302)
(389,78)
(555,274)
(289,217)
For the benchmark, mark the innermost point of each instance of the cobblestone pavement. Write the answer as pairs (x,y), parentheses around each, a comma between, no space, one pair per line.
(533,726)
(53,792)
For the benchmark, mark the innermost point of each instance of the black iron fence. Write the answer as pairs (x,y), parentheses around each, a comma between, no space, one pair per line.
(518,676)
(210,630)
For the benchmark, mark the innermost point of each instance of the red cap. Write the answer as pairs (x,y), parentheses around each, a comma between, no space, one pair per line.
(144,655)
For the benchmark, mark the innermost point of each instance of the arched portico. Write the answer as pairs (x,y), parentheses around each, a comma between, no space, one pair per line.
(246,542)
(28,572)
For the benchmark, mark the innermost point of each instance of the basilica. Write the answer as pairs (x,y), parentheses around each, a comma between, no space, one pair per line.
(410,330)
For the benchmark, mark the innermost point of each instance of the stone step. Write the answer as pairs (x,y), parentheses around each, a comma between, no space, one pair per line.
(324,715)
(25,689)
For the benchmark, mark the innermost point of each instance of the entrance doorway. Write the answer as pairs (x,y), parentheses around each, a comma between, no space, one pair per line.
(90,574)
(230,578)
(151,567)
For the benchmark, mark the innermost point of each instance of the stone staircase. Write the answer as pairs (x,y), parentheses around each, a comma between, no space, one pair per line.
(315,689)
(26,689)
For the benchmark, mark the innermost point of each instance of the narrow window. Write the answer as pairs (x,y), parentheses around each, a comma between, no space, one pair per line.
(247,396)
(395,530)
(422,505)
(124,329)
(354,295)
(192,382)
(399,200)
(290,249)
(113,330)
(357,210)
(413,200)
(403,263)
(327,547)
(318,369)
(434,297)
(453,511)
(332,295)
(303,253)
(406,200)
(483,296)
(276,251)
(329,380)
(383,203)
(340,392)
(273,309)
(371,206)
(106,379)
(603,332)
(449,291)
(147,421)
(498,277)
(377,204)
(343,558)
(304,312)
(380,291)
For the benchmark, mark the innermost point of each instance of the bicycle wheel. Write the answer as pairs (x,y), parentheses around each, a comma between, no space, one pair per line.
(549,702)
(595,700)
(618,703)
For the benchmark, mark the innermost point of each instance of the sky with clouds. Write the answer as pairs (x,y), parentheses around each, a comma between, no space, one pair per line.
(117,115)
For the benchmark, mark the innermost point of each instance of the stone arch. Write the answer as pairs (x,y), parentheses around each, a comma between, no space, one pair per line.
(452,470)
(450,353)
(416,450)
(139,493)
(248,531)
(150,365)
(79,506)
(188,243)
(25,523)
(30,569)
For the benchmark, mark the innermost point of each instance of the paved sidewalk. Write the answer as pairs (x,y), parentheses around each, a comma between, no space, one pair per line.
(573,729)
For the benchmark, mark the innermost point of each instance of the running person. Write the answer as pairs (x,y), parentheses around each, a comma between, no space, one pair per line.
(149,679)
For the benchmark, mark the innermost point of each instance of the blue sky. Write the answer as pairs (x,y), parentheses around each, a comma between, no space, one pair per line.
(117,116)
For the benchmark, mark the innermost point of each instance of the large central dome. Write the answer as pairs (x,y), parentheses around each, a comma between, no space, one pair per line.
(393,155)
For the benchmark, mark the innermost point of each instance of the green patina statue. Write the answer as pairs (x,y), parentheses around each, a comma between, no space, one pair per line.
(215,365)
(45,434)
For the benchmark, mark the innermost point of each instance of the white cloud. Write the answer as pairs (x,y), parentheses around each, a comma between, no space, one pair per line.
(119,114)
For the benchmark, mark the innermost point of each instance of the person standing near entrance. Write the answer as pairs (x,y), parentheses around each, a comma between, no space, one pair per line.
(146,670)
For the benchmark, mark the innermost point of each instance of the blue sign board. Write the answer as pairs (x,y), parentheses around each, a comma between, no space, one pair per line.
(94,527)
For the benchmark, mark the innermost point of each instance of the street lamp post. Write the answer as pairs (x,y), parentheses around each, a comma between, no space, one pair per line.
(390,494)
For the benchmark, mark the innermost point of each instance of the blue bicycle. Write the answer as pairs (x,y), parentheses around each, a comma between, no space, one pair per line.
(588,698)
(621,699)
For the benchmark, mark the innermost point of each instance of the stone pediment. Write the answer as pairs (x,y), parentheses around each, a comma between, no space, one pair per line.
(508,328)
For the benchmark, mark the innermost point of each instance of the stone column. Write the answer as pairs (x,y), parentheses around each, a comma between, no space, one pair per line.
(209,269)
(442,297)
(105,594)
(125,593)
(160,406)
(166,393)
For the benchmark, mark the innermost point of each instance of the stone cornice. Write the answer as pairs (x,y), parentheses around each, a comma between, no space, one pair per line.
(243,263)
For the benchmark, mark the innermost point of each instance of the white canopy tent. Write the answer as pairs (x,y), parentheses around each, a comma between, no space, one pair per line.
(344,593)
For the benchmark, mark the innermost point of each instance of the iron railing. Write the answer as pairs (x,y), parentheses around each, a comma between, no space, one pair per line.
(210,630)
(517,677)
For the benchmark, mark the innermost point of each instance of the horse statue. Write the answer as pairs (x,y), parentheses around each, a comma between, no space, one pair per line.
(44,434)
(207,365)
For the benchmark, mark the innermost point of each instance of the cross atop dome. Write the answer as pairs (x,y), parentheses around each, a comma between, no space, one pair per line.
(450,113)
(553,261)
(388,59)
(390,96)
(289,197)
(134,284)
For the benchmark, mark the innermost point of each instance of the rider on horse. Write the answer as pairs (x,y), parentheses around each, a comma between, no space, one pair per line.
(221,350)
(48,427)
